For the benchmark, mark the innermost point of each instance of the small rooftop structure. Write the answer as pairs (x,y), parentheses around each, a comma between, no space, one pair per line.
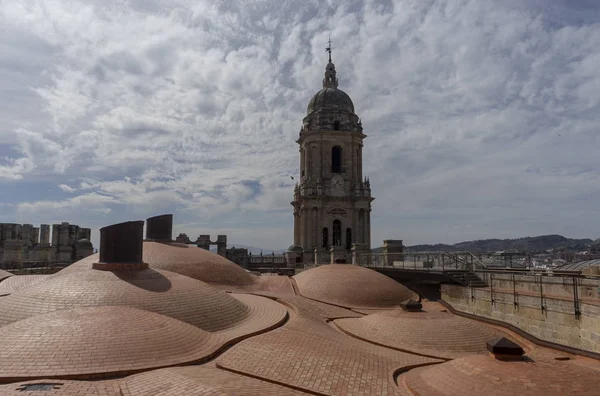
(505,349)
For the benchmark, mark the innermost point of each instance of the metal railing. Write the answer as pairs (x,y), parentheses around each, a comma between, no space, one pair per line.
(543,279)
(422,261)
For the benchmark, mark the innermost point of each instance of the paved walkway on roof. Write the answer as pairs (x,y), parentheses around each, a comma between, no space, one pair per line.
(307,355)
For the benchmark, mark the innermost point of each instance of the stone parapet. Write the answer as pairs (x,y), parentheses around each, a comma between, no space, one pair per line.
(551,318)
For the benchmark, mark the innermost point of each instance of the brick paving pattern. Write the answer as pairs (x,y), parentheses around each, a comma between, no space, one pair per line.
(309,354)
(4,274)
(432,333)
(271,286)
(483,375)
(163,292)
(97,340)
(351,286)
(62,388)
(264,315)
(200,381)
(316,308)
(18,282)
(311,336)
(186,260)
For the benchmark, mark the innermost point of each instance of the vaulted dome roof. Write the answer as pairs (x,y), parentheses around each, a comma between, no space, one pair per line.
(163,292)
(351,286)
(331,108)
(124,339)
(185,260)
(331,99)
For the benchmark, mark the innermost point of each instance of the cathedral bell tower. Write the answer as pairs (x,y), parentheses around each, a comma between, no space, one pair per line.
(332,201)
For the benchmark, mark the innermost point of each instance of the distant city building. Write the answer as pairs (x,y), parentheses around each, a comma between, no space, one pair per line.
(25,243)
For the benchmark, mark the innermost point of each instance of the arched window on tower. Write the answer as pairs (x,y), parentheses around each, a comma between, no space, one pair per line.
(337,232)
(336,159)
(325,237)
(336,125)
(348,238)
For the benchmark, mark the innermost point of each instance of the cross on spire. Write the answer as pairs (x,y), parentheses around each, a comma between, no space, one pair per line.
(329,48)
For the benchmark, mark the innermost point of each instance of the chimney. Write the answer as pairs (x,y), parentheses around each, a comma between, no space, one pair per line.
(160,228)
(505,349)
(121,247)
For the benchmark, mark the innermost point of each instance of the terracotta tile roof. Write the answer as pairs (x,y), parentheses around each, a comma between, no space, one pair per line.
(4,274)
(186,260)
(433,333)
(163,292)
(351,286)
(54,387)
(309,354)
(99,340)
(484,375)
(18,282)
(196,381)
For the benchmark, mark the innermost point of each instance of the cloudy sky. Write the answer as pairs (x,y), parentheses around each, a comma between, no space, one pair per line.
(482,116)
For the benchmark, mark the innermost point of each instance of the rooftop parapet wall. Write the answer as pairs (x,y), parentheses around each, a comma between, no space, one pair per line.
(556,286)
(551,318)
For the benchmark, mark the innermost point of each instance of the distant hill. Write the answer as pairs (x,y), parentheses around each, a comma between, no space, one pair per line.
(529,244)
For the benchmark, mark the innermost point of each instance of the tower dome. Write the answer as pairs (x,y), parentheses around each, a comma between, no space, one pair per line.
(331,108)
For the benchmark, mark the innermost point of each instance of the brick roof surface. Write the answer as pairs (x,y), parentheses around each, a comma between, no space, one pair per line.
(200,381)
(163,292)
(186,260)
(98,340)
(18,282)
(4,274)
(309,354)
(58,387)
(484,375)
(432,333)
(332,330)
(351,286)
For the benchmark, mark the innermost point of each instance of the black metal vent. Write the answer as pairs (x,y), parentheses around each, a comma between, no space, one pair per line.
(122,243)
(160,228)
(505,347)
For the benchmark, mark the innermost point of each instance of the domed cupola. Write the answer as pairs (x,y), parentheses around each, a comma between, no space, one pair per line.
(331,108)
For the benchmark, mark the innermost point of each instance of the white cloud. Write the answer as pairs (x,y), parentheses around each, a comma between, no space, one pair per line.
(482,115)
(66,188)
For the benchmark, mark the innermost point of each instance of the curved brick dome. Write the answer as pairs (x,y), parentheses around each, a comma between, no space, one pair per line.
(18,282)
(419,332)
(481,374)
(98,340)
(351,286)
(203,380)
(163,292)
(186,260)
(4,274)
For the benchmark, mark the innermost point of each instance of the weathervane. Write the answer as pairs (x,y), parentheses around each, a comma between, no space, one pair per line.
(329,47)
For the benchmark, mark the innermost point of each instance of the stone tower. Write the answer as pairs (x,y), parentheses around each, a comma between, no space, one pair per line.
(332,201)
